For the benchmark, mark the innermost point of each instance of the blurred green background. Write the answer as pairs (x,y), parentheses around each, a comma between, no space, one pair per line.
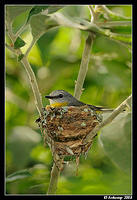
(55,60)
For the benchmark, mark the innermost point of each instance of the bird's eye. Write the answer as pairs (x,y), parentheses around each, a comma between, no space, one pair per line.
(60,95)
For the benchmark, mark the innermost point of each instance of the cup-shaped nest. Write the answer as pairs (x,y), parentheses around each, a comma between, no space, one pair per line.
(67,127)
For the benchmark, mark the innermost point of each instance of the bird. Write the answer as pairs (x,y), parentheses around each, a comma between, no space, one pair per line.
(61,98)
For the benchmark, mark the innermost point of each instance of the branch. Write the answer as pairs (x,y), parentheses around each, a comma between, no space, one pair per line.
(110,24)
(89,26)
(11,48)
(85,59)
(34,84)
(114,114)
(30,47)
(92,12)
(53,180)
(111,14)
(9,31)
(33,42)
(21,30)
(28,68)
(83,66)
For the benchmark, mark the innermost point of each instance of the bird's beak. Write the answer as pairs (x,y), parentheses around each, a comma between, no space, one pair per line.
(51,97)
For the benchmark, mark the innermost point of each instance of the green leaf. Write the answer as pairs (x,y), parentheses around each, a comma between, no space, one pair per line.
(21,174)
(13,11)
(36,10)
(47,39)
(116,141)
(19,43)
(20,57)
(40,24)
(52,9)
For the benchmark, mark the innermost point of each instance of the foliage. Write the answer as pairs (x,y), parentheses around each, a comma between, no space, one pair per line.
(19,43)
(58,35)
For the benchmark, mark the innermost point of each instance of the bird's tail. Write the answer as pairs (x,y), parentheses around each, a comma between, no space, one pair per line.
(102,109)
(106,110)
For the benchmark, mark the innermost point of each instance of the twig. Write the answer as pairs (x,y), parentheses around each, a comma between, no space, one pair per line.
(11,48)
(33,42)
(9,31)
(34,84)
(85,59)
(21,30)
(92,12)
(110,24)
(53,180)
(111,14)
(32,78)
(114,114)
(29,70)
(83,66)
(30,47)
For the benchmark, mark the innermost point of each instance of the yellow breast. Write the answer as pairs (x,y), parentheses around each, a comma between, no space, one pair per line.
(57,104)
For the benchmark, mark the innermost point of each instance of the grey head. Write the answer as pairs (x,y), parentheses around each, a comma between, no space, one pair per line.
(61,96)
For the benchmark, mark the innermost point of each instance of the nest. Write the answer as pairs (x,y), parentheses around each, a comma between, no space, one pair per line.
(66,128)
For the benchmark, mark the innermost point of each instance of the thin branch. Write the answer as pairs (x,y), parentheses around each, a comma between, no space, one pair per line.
(110,24)
(21,30)
(126,45)
(9,31)
(11,48)
(92,12)
(111,14)
(34,84)
(114,114)
(30,47)
(33,42)
(83,66)
(53,180)
(85,59)
(29,70)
